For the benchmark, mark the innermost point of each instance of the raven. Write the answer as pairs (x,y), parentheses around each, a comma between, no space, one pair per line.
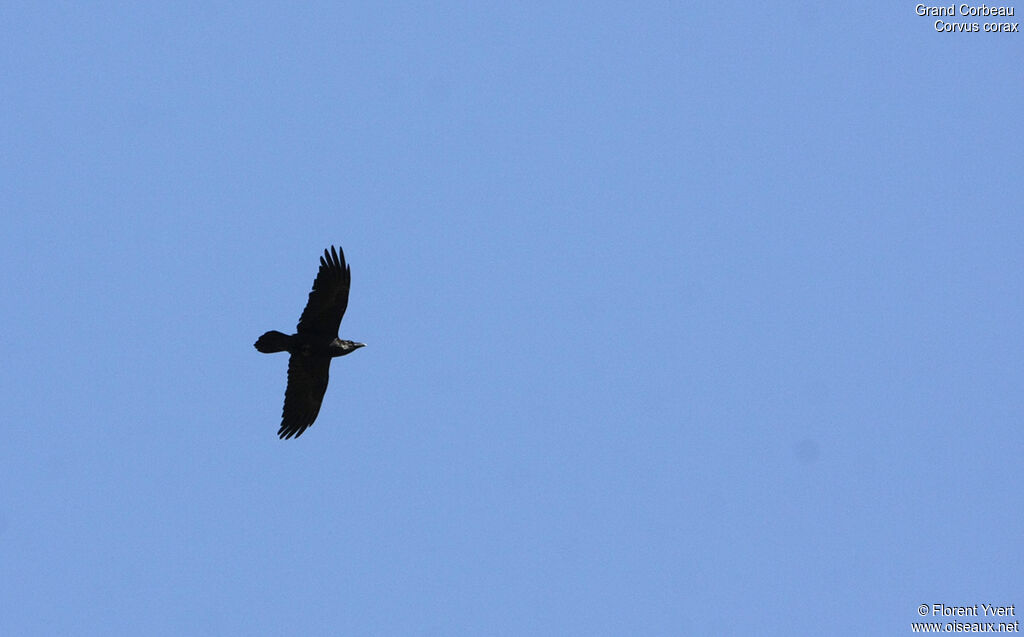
(314,345)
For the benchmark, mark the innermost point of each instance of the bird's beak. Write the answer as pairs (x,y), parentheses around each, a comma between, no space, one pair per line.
(358,345)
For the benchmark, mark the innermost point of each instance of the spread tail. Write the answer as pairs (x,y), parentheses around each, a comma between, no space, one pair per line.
(272,341)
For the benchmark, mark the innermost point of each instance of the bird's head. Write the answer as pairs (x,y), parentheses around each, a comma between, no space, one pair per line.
(341,347)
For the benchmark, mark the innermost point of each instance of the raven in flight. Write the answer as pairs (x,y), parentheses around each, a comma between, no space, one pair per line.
(314,345)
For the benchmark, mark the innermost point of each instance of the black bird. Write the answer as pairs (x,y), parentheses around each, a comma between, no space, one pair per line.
(314,345)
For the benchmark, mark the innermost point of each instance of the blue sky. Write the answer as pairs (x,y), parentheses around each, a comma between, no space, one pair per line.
(680,320)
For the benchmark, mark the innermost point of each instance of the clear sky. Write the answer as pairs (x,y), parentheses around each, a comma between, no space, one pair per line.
(680,320)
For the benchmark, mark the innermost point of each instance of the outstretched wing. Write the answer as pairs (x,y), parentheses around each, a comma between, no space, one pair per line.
(307,382)
(329,298)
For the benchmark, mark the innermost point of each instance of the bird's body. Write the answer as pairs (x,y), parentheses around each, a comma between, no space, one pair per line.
(313,345)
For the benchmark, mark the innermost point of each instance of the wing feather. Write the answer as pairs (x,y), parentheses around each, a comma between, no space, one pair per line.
(329,297)
(307,383)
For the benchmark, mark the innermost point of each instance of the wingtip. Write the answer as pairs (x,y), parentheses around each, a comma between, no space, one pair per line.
(333,258)
(291,430)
